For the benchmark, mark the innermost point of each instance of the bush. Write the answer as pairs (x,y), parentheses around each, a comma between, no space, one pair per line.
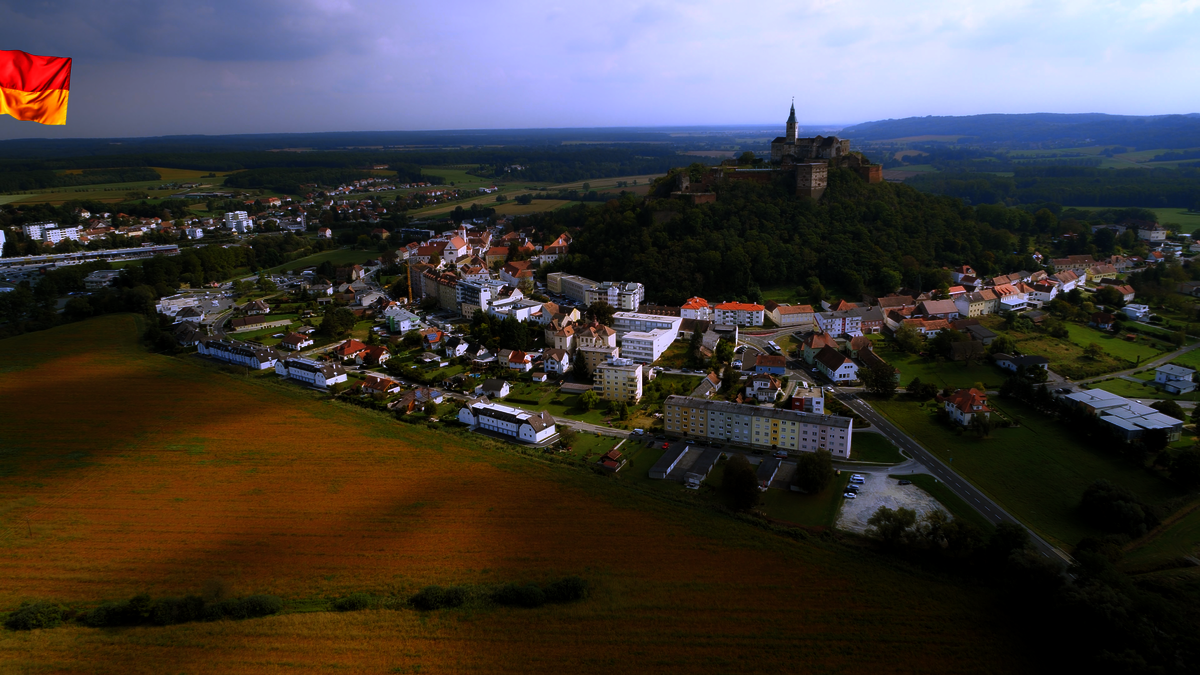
(570,589)
(436,597)
(31,615)
(352,603)
(169,611)
(512,595)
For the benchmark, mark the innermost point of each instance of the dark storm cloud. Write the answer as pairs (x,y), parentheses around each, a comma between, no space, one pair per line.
(253,30)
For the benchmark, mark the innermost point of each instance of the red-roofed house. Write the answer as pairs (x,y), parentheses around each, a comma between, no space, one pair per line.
(374,355)
(964,404)
(349,349)
(519,360)
(496,255)
(789,315)
(696,308)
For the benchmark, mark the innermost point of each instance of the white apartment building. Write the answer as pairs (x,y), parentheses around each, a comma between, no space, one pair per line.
(239,221)
(758,427)
(646,347)
(56,234)
(696,308)
(316,373)
(528,426)
(481,294)
(625,322)
(626,295)
(238,353)
(739,314)
(619,379)
(835,323)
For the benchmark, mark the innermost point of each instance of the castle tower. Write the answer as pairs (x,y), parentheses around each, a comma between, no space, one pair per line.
(792,132)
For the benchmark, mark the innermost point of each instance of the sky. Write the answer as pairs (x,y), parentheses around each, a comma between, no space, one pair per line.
(165,67)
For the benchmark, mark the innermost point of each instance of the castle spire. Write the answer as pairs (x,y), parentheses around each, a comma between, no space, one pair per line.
(792,132)
(792,117)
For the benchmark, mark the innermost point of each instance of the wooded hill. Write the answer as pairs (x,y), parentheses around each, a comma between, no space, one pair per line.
(857,237)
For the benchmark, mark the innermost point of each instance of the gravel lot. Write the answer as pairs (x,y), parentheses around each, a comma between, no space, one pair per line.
(882,490)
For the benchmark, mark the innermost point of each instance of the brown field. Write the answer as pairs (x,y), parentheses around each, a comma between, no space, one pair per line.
(125,472)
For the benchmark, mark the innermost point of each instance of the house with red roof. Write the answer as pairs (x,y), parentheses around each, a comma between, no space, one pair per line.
(964,404)
(375,355)
(519,360)
(739,314)
(349,349)
(696,308)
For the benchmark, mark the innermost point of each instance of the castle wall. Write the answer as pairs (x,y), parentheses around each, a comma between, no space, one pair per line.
(812,179)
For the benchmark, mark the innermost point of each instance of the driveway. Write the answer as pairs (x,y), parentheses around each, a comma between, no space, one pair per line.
(879,490)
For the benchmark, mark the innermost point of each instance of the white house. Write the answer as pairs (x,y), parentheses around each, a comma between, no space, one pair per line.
(1175,379)
(493,387)
(556,361)
(456,346)
(835,365)
(696,308)
(315,373)
(1015,363)
(964,404)
(526,426)
(238,353)
(1137,312)
(646,347)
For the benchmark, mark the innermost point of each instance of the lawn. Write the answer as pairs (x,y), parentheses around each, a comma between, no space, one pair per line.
(1036,471)
(547,397)
(1189,360)
(954,504)
(1180,536)
(1185,220)
(953,374)
(511,208)
(819,510)
(1132,352)
(271,488)
(871,447)
(339,257)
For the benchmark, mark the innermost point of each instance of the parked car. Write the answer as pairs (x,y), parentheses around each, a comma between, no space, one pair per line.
(905,482)
(666,445)
(781,454)
(852,488)
(850,495)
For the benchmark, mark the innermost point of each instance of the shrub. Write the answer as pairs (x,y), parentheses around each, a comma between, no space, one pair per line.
(512,595)
(245,608)
(39,614)
(430,598)
(352,603)
(167,611)
(570,589)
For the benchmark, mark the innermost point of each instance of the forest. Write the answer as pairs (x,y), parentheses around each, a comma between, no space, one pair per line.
(1071,185)
(858,237)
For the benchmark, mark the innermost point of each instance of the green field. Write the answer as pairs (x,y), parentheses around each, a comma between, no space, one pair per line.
(871,447)
(1186,221)
(819,510)
(1036,471)
(1122,349)
(954,374)
(339,257)
(1179,537)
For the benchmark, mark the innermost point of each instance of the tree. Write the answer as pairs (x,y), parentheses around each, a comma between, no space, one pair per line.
(814,470)
(1185,468)
(430,408)
(724,352)
(566,436)
(602,312)
(1109,296)
(879,379)
(892,527)
(982,425)
(740,483)
(1002,344)
(908,338)
(337,322)
(1169,407)
(1093,351)
(589,399)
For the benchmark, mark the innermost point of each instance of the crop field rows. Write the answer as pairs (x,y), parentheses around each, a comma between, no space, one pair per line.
(152,474)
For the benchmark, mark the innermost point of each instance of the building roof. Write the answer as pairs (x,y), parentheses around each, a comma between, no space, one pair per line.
(966,400)
(695,303)
(831,358)
(349,348)
(740,307)
(1178,371)
(770,361)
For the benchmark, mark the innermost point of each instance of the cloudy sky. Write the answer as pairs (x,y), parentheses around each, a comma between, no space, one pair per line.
(155,67)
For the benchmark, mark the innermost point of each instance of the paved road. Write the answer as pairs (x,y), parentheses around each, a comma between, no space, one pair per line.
(935,467)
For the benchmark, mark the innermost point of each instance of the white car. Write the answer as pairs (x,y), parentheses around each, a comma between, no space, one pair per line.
(850,495)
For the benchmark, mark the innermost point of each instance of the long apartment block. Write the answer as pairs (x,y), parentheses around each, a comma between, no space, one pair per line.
(757,426)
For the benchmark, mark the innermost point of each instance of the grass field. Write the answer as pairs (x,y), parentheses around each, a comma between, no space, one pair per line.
(339,257)
(511,208)
(1037,471)
(871,447)
(169,472)
(1178,537)
(955,374)
(1134,352)
(1186,221)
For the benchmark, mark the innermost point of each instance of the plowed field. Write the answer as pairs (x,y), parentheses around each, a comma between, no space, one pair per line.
(124,472)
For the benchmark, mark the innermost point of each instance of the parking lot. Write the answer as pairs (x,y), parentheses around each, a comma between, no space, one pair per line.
(879,490)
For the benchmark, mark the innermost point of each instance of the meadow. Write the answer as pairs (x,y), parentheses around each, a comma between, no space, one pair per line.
(128,472)
(338,257)
(1037,471)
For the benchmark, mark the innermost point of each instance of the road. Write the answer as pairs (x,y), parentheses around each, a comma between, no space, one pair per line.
(935,467)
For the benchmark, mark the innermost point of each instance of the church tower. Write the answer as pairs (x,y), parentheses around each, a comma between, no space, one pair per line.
(792,132)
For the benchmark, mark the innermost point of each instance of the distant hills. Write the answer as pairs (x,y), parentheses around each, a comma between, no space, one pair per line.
(1042,129)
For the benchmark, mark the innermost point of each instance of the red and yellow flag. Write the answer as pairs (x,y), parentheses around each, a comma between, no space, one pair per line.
(34,88)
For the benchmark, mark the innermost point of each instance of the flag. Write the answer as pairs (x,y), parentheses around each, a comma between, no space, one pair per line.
(34,88)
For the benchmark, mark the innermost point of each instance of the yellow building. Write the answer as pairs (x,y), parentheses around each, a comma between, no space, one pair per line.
(619,380)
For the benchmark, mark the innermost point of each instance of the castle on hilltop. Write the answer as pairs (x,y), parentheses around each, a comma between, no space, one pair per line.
(803,161)
(806,149)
